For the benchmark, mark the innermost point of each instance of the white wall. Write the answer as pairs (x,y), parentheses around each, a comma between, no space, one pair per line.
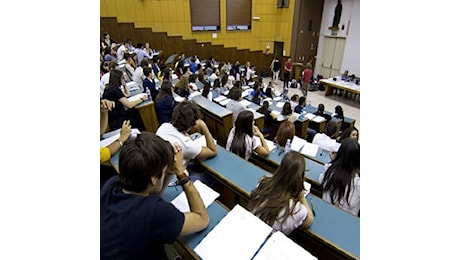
(350,20)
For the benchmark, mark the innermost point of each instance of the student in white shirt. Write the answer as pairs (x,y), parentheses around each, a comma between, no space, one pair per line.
(186,116)
(242,139)
(326,140)
(279,200)
(341,179)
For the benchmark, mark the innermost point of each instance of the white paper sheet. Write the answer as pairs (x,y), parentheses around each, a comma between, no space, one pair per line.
(310,116)
(114,135)
(271,145)
(194,94)
(179,98)
(310,149)
(224,102)
(207,194)
(238,236)
(297,143)
(245,102)
(219,98)
(280,247)
(319,119)
(280,104)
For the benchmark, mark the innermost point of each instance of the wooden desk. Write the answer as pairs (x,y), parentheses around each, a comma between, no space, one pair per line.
(218,119)
(149,116)
(334,234)
(339,84)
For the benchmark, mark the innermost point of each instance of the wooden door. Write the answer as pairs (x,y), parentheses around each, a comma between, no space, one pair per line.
(332,56)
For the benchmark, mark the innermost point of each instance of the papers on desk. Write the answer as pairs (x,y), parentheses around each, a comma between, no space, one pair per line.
(207,194)
(219,98)
(319,119)
(195,93)
(297,143)
(136,97)
(275,113)
(246,93)
(279,104)
(310,116)
(309,149)
(179,98)
(280,247)
(224,102)
(245,102)
(238,236)
(110,137)
(277,98)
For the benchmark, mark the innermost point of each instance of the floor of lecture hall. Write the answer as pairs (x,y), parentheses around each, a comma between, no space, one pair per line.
(350,106)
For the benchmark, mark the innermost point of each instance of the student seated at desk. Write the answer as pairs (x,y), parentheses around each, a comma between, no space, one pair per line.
(149,83)
(286,131)
(234,104)
(135,222)
(165,103)
(287,111)
(119,113)
(351,132)
(320,112)
(279,200)
(266,111)
(302,102)
(326,140)
(106,152)
(181,88)
(341,180)
(241,140)
(185,117)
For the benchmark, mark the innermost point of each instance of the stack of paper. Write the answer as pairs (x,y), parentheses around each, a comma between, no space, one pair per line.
(297,143)
(245,102)
(310,149)
(224,102)
(195,93)
(238,236)
(207,194)
(280,104)
(110,137)
(310,116)
(179,98)
(219,98)
(280,247)
(319,119)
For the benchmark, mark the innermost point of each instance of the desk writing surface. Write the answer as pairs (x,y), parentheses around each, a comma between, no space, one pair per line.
(114,160)
(335,225)
(211,106)
(215,211)
(235,169)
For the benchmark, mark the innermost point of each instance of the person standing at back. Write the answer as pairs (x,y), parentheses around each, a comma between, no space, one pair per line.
(279,200)
(275,66)
(287,68)
(341,180)
(306,79)
(135,222)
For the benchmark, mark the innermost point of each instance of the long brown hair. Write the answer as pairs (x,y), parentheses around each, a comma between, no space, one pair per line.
(274,193)
(285,131)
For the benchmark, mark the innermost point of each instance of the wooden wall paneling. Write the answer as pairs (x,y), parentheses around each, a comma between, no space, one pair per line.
(126,31)
(110,25)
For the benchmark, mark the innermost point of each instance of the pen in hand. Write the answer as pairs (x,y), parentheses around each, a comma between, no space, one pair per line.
(312,207)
